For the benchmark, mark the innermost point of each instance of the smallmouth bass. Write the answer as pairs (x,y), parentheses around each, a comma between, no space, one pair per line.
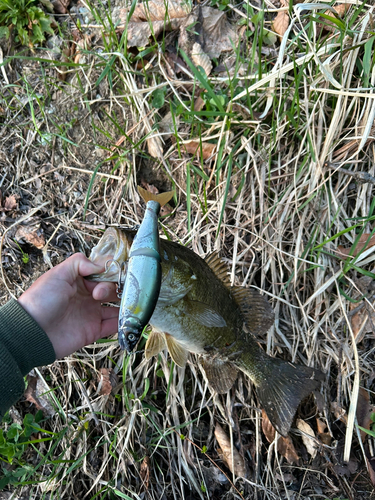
(198,311)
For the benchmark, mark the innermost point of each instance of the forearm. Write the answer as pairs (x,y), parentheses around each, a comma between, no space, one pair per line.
(23,345)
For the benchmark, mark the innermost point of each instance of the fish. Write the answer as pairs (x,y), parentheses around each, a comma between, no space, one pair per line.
(198,311)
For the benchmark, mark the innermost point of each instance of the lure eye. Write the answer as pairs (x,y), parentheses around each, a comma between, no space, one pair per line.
(131,337)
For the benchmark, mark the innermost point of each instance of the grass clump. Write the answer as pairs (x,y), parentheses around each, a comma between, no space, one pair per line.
(29,22)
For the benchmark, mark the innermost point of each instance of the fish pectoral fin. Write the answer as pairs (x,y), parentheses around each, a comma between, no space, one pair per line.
(178,352)
(169,296)
(155,344)
(255,308)
(220,374)
(203,314)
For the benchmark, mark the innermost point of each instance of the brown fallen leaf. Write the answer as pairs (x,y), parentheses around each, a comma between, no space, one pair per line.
(280,23)
(363,412)
(339,412)
(363,321)
(324,436)
(108,380)
(31,234)
(60,6)
(36,394)
(340,11)
(309,442)
(199,104)
(10,203)
(234,461)
(196,147)
(201,59)
(82,44)
(361,244)
(285,445)
(155,147)
(152,18)
(145,472)
(217,32)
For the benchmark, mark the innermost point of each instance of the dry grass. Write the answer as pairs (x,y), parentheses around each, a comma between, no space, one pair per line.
(272,199)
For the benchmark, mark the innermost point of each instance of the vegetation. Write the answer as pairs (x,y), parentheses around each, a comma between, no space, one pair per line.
(271,155)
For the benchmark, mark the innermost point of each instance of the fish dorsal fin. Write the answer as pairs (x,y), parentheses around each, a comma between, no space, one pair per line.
(155,344)
(220,374)
(178,352)
(256,310)
(218,267)
(161,198)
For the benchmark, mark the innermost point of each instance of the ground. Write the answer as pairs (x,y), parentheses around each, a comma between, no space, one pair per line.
(268,143)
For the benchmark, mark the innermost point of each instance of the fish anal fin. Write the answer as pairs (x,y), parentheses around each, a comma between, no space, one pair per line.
(218,267)
(161,198)
(155,344)
(178,352)
(255,308)
(220,374)
(282,391)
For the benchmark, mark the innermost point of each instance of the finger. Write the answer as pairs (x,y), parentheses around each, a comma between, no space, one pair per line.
(109,327)
(105,292)
(79,265)
(110,313)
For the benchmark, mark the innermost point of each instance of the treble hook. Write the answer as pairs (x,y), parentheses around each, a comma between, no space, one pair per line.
(122,268)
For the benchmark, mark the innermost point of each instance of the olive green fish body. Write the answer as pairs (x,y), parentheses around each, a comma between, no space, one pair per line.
(198,311)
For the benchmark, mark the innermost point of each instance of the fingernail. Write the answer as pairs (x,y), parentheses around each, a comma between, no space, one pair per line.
(104,293)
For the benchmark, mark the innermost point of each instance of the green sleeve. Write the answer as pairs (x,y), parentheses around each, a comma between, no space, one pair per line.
(23,345)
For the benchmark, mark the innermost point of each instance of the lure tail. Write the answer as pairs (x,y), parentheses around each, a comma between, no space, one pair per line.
(161,198)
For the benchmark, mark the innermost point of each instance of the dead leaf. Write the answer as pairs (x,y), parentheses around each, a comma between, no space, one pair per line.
(107,381)
(361,244)
(154,146)
(196,147)
(324,436)
(309,442)
(201,59)
(10,203)
(36,394)
(82,44)
(339,412)
(285,445)
(364,410)
(145,472)
(31,234)
(370,462)
(60,6)
(152,18)
(217,32)
(199,104)
(280,23)
(340,11)
(363,321)
(234,461)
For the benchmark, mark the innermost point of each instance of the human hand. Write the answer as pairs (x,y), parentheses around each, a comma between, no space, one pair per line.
(68,307)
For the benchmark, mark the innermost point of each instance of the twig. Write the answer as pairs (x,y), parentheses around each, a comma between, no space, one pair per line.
(362,177)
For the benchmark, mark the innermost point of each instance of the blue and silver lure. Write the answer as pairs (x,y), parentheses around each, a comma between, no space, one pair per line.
(142,282)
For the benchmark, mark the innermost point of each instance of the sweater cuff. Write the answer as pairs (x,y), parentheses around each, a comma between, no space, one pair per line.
(26,342)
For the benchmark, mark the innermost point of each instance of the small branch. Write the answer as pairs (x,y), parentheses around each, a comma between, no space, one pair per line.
(362,177)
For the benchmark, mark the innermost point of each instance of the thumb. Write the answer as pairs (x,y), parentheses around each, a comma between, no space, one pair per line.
(79,265)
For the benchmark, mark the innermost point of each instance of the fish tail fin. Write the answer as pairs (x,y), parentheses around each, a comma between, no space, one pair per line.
(161,198)
(283,389)
(280,385)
